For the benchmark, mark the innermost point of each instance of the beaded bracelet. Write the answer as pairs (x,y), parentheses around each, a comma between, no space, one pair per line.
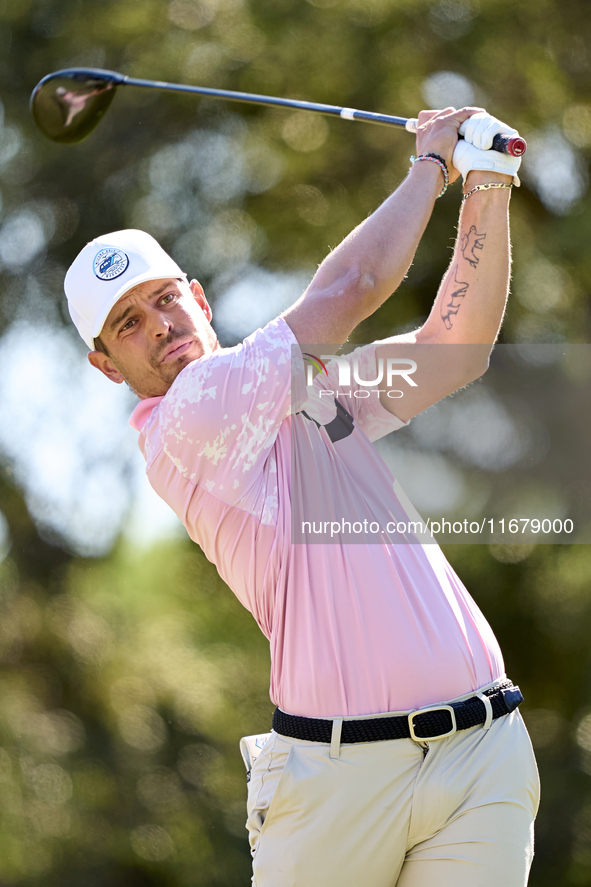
(440,163)
(486,187)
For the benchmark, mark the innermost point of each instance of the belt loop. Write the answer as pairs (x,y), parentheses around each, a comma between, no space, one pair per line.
(335,738)
(488,708)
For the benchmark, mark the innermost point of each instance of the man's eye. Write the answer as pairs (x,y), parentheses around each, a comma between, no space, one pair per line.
(167,298)
(127,326)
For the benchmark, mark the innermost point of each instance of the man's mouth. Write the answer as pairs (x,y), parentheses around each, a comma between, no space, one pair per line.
(177,350)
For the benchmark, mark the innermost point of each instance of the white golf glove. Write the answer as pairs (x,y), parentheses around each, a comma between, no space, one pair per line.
(474,150)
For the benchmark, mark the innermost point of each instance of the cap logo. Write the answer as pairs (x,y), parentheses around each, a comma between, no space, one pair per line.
(110,263)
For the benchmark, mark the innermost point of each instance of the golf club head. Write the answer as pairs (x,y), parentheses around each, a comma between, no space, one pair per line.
(68,104)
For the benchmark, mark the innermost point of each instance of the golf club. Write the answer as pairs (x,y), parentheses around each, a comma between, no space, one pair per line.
(67,105)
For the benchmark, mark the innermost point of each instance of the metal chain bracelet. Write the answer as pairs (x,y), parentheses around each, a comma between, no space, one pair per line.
(486,187)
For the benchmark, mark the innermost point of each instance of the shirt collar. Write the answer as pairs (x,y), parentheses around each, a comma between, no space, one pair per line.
(142,412)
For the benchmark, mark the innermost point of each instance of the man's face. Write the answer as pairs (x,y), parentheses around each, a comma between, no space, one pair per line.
(153,332)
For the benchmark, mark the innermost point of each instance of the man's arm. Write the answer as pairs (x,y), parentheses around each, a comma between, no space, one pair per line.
(468,310)
(366,268)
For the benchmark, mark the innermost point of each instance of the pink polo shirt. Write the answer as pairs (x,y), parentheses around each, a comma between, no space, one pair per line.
(357,625)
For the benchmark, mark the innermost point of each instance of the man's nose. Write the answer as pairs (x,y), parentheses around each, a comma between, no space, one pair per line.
(160,325)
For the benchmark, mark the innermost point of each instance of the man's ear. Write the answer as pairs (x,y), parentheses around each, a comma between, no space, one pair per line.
(103,363)
(199,295)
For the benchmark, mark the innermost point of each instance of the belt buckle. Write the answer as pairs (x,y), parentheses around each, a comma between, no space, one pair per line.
(424,711)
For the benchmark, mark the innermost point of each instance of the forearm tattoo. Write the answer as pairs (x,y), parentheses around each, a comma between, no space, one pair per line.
(471,242)
(455,289)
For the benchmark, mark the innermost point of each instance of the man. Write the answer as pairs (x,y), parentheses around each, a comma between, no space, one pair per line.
(351,787)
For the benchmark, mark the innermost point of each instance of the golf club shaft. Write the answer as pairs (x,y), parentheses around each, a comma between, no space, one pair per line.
(253,98)
(505,144)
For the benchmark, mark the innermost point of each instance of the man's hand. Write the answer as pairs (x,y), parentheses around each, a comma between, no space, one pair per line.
(473,153)
(438,132)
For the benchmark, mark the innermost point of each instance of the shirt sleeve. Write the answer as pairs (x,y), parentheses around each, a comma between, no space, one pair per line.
(361,401)
(221,417)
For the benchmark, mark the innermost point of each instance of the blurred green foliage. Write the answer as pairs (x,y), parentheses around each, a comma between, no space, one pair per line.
(127,680)
(123,682)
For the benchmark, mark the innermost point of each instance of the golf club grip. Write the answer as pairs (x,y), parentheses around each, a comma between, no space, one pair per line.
(515,146)
(506,144)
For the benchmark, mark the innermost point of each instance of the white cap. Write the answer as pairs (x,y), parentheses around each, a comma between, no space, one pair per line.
(106,269)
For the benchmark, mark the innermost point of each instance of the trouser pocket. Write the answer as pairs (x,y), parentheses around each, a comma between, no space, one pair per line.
(250,749)
(265,776)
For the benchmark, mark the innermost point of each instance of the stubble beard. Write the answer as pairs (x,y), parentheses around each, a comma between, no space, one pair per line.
(169,371)
(166,372)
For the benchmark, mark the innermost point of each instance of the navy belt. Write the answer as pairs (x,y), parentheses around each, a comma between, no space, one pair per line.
(423,725)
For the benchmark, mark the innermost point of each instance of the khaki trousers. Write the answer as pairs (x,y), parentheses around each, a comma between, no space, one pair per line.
(453,812)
